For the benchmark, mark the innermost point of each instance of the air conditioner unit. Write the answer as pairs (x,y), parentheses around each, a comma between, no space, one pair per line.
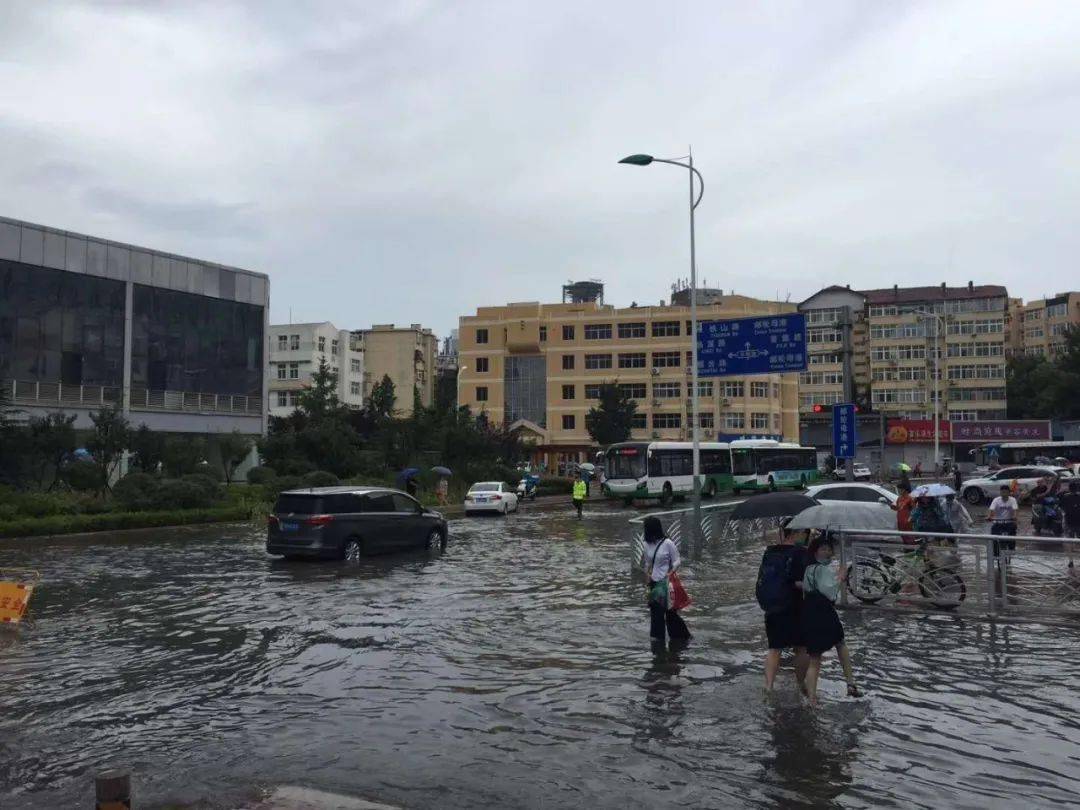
(655,371)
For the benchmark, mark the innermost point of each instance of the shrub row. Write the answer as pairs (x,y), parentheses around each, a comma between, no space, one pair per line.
(68,524)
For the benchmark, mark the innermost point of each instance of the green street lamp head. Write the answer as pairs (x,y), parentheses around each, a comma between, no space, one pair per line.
(638,160)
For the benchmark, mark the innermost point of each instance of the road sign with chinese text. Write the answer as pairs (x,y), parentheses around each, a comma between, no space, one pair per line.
(746,346)
(844,432)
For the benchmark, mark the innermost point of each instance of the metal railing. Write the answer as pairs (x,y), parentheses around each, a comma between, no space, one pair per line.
(96,396)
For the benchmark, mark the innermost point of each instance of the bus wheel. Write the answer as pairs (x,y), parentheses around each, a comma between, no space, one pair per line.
(802,481)
(772,484)
(710,489)
(667,497)
(736,491)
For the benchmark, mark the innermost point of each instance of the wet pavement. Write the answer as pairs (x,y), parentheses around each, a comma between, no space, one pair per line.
(511,671)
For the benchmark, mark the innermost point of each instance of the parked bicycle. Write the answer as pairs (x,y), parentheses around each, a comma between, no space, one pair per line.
(870,581)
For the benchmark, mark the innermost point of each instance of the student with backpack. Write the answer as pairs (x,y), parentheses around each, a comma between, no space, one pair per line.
(779,592)
(821,627)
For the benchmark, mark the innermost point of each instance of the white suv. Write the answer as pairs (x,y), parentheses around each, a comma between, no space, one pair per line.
(978,490)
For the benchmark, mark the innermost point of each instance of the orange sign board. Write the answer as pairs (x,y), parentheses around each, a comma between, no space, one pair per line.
(14,597)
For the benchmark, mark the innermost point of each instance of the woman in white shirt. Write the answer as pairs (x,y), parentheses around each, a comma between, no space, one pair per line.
(659,559)
(1003,519)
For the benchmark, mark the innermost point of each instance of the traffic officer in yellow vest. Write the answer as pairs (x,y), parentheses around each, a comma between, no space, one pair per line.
(581,489)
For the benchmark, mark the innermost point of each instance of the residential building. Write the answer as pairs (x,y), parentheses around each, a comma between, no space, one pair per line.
(296,349)
(447,361)
(404,354)
(1043,324)
(176,343)
(538,368)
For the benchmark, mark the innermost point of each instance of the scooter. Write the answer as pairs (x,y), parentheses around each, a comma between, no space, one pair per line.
(1046,516)
(527,487)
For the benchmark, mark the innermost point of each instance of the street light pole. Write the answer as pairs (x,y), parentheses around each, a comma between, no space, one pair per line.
(939,322)
(645,160)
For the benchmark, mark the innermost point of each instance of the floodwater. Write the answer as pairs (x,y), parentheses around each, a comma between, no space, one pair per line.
(513,670)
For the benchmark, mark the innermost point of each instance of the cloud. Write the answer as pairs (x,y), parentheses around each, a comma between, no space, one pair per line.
(412,161)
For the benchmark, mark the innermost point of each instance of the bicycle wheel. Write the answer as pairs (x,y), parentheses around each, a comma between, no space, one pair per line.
(868,581)
(944,589)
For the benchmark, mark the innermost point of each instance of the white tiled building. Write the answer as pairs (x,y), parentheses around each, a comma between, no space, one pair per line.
(294,352)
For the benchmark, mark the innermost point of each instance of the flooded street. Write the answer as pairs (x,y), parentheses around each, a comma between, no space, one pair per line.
(512,671)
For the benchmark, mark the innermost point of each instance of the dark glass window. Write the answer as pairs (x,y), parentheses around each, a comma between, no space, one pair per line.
(592,391)
(568,422)
(567,332)
(481,335)
(665,329)
(60,327)
(481,393)
(184,342)
(631,330)
(525,389)
(568,392)
(482,364)
(635,360)
(598,331)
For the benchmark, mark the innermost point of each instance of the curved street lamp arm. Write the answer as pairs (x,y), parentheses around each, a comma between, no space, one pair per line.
(701,180)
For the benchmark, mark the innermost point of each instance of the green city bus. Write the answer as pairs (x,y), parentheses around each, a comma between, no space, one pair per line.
(772,465)
(665,470)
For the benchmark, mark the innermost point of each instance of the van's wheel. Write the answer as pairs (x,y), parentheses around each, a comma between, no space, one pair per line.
(667,497)
(973,495)
(436,541)
(350,552)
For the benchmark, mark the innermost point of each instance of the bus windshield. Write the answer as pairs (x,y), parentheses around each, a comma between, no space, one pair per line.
(625,462)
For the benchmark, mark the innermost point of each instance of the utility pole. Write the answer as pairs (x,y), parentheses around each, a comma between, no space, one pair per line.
(849,382)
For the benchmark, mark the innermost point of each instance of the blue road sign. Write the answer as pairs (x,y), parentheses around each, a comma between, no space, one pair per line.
(752,346)
(845,436)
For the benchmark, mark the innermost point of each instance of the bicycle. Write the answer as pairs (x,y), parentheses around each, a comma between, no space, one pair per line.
(873,580)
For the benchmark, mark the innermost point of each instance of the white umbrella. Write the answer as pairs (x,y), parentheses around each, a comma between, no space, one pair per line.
(587,467)
(845,515)
(932,491)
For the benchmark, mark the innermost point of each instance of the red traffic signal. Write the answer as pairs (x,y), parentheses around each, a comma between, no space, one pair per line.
(819,408)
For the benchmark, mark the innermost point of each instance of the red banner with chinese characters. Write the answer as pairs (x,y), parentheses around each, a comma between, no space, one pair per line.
(1002,430)
(917,431)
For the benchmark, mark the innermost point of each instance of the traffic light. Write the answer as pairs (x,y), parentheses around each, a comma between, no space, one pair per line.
(819,408)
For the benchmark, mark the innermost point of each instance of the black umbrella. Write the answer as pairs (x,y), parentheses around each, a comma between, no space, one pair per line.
(772,505)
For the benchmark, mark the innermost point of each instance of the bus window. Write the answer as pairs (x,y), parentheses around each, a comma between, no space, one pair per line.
(742,462)
(714,462)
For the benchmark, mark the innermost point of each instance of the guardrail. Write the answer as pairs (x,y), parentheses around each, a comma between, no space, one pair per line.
(69,395)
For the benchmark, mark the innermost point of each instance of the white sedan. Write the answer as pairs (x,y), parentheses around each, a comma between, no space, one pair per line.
(858,471)
(978,490)
(491,496)
(864,493)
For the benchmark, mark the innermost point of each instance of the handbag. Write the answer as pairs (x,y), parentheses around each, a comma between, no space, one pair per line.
(680,599)
(658,591)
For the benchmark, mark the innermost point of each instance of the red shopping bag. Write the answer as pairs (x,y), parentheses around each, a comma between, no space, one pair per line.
(680,599)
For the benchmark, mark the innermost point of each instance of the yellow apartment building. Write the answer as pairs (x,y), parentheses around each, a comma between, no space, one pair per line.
(538,368)
(1043,324)
(405,354)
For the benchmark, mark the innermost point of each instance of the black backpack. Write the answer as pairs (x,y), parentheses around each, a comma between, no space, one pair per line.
(774,591)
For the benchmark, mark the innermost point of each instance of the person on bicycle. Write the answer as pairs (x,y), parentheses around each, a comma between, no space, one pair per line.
(1003,519)
(779,593)
(821,627)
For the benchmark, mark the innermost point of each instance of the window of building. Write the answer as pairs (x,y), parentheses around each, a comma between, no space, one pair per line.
(628,331)
(598,331)
(333,347)
(294,371)
(760,390)
(705,388)
(592,391)
(759,421)
(734,421)
(282,399)
(568,421)
(976,372)
(821,378)
(481,335)
(824,359)
(294,398)
(827,317)
(354,366)
(886,396)
(595,361)
(1057,310)
(734,390)
(322,344)
(809,400)
(823,336)
(568,332)
(665,359)
(569,391)
(690,359)
(964,416)
(666,420)
(282,370)
(974,327)
(354,389)
(282,342)
(543,334)
(483,364)
(706,419)
(481,393)
(667,390)
(638,422)
(665,329)
(633,390)
(1055,329)
(633,360)
(567,362)
(294,341)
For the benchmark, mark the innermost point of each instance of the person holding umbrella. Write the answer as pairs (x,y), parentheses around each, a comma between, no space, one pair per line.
(442,489)
(821,627)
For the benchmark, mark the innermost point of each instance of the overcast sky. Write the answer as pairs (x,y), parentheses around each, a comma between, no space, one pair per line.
(408,162)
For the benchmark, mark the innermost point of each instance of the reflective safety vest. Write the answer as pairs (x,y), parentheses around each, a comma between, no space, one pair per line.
(580,490)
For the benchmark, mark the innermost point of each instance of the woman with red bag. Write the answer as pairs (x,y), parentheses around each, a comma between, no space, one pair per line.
(659,561)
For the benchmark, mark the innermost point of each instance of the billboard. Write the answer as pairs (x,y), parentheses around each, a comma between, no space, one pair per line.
(1002,430)
(917,431)
(745,346)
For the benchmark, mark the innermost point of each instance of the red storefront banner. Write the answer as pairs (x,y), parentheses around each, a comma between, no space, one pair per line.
(917,431)
(1003,430)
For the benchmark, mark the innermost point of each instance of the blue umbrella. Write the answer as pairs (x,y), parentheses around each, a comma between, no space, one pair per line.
(407,473)
(444,471)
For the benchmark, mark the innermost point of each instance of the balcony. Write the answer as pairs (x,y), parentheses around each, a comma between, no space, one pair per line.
(68,395)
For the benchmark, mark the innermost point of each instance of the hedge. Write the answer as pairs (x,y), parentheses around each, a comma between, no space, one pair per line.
(109,521)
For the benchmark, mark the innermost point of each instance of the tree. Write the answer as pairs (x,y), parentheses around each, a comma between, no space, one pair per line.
(446,392)
(182,455)
(382,400)
(234,448)
(148,447)
(320,399)
(52,440)
(1038,388)
(612,421)
(107,443)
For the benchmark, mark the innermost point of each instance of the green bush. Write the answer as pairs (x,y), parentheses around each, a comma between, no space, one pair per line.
(42,504)
(320,478)
(261,475)
(137,491)
(279,485)
(8,512)
(180,493)
(83,476)
(210,487)
(110,521)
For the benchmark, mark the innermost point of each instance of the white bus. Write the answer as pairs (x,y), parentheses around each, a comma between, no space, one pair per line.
(664,470)
(772,465)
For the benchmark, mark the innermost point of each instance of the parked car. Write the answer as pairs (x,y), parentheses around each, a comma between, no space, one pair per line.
(490,496)
(347,522)
(865,493)
(978,490)
(860,471)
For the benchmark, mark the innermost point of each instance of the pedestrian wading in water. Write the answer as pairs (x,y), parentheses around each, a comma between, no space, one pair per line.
(658,560)
(779,593)
(821,627)
(581,491)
